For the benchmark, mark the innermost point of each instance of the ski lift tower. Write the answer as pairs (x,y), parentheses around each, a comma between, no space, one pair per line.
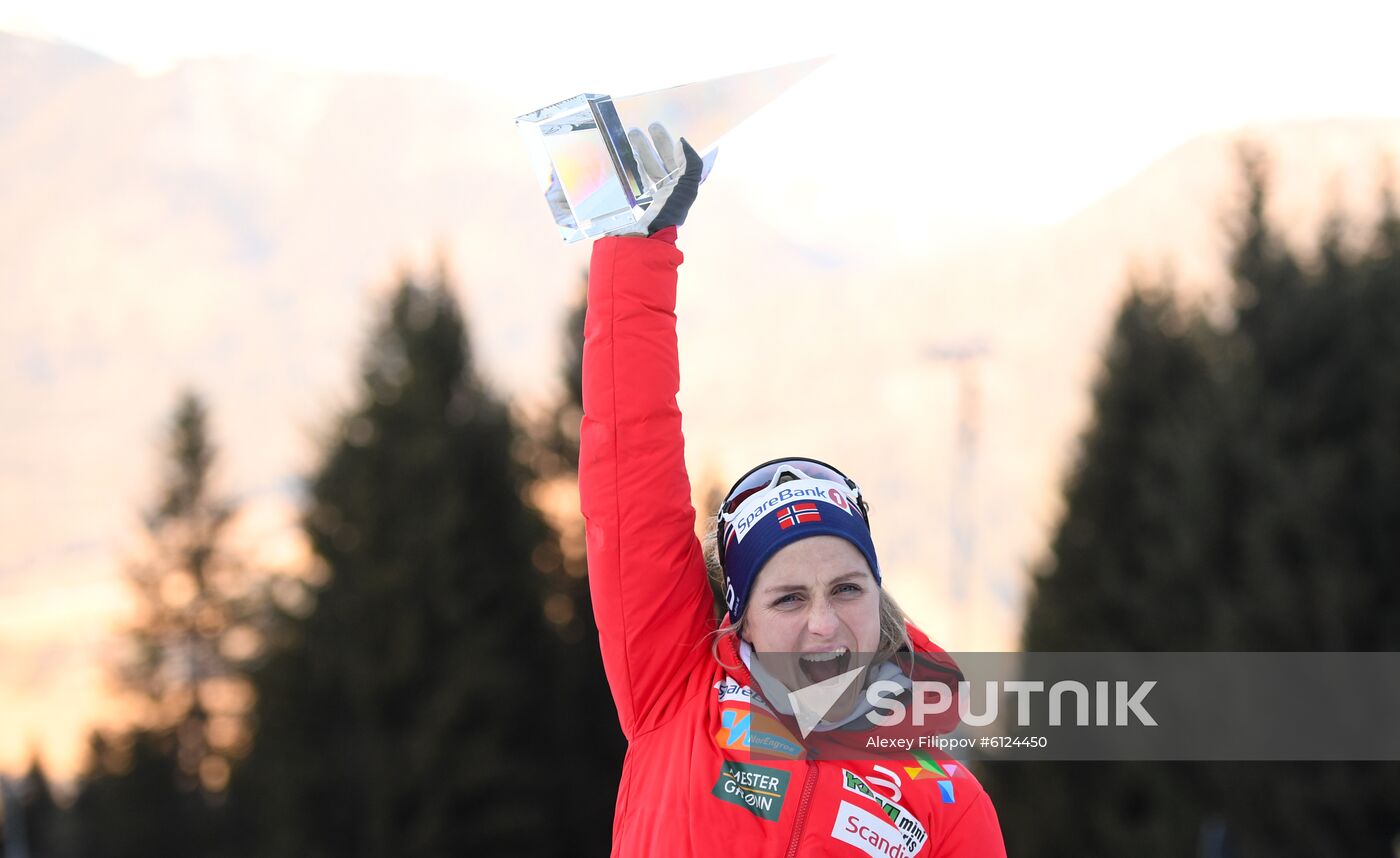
(963,357)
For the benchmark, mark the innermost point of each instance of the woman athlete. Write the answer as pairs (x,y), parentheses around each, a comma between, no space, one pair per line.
(721,761)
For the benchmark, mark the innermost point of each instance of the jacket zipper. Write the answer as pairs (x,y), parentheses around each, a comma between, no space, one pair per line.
(807,785)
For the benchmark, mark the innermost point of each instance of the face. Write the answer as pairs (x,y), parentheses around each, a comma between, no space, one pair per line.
(817,599)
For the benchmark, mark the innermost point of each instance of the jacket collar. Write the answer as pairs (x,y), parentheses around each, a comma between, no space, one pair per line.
(923,660)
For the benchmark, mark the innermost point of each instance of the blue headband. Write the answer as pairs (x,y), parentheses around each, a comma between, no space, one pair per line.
(787,512)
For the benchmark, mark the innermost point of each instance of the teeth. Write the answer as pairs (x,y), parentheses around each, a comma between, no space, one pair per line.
(825,656)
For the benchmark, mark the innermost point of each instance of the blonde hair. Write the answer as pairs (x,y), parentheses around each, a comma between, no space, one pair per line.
(894,632)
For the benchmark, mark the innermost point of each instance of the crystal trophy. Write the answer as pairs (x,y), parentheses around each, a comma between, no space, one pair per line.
(585,166)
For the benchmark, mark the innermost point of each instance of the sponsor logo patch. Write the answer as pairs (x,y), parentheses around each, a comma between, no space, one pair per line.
(868,832)
(755,731)
(753,510)
(727,689)
(763,743)
(734,729)
(911,832)
(887,779)
(927,766)
(758,789)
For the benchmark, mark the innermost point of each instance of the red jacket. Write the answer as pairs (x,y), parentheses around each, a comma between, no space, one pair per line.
(710,770)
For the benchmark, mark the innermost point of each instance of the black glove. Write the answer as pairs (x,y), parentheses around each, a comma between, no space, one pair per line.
(660,162)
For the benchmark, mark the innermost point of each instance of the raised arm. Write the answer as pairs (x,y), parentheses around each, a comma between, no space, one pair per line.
(646,569)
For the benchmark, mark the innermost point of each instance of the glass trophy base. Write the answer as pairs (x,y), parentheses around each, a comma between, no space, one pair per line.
(579,151)
(590,177)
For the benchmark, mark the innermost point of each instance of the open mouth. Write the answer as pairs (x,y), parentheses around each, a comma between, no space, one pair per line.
(821,666)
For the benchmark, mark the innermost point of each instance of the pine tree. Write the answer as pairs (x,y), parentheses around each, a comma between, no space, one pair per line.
(157,787)
(558,451)
(198,617)
(1125,572)
(587,730)
(129,804)
(1136,504)
(409,713)
(1316,542)
(1236,490)
(43,823)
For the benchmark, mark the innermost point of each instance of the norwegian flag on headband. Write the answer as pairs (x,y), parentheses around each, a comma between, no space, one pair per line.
(798,513)
(751,539)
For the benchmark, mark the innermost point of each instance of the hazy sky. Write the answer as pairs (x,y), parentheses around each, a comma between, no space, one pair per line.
(1055,104)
